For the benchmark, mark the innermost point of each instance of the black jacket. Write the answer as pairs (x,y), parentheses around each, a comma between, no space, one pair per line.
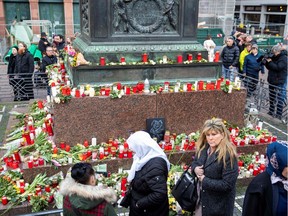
(11,64)
(149,190)
(261,198)
(230,56)
(277,69)
(219,185)
(47,60)
(24,64)
(42,46)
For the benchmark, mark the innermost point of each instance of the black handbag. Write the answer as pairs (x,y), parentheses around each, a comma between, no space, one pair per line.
(185,191)
(126,201)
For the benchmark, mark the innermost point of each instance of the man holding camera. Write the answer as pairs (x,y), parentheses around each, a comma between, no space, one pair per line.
(277,78)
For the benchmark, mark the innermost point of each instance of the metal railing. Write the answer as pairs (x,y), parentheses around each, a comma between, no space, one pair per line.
(24,87)
(266,98)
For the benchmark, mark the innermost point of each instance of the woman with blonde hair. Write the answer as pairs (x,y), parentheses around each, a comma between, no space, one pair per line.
(217,183)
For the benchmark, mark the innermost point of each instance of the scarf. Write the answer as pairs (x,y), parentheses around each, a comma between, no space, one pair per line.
(276,161)
(144,148)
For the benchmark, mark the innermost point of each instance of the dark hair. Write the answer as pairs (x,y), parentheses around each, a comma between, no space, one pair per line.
(81,172)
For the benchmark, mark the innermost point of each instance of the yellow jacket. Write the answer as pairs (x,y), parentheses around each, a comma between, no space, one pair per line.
(242,56)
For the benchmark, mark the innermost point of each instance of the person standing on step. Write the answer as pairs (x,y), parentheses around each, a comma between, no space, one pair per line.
(24,68)
(11,70)
(48,59)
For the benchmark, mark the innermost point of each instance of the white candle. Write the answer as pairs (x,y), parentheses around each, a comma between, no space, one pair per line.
(94,141)
(101,150)
(91,92)
(70,160)
(260,125)
(185,87)
(176,89)
(230,89)
(196,85)
(121,149)
(68,83)
(48,99)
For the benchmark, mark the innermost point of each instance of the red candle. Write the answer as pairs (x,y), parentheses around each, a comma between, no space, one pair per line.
(144,57)
(55,150)
(107,91)
(121,155)
(199,57)
(122,59)
(102,61)
(49,129)
(274,138)
(67,148)
(77,93)
(179,59)
(64,91)
(68,91)
(47,188)
(200,85)
(119,86)
(102,91)
(189,86)
(22,190)
(189,57)
(101,155)
(40,104)
(21,182)
(127,90)
(218,84)
(217,56)
(86,143)
(140,86)
(135,89)
(41,162)
(227,82)
(16,156)
(123,184)
(89,153)
(62,145)
(212,86)
(30,164)
(4,200)
(129,154)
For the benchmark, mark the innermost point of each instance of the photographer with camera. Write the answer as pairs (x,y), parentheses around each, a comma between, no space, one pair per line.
(251,69)
(277,78)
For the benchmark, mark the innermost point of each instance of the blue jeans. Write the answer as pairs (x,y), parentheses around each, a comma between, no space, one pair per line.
(229,73)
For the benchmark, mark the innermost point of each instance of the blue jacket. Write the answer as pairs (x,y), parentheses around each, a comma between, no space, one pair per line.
(251,66)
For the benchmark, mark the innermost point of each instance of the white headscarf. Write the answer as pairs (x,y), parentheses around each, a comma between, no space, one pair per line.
(145,148)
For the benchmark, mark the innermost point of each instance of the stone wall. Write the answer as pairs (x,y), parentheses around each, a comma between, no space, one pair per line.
(104,117)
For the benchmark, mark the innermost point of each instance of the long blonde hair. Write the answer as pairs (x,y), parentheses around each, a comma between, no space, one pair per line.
(224,147)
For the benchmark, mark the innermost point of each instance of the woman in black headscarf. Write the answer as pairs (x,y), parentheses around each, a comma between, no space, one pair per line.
(267,194)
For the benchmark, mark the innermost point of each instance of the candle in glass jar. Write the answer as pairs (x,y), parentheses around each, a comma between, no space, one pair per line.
(30,164)
(47,188)
(144,57)
(199,57)
(179,59)
(41,162)
(40,104)
(102,61)
(94,141)
(122,59)
(189,57)
(4,200)
(127,90)
(217,56)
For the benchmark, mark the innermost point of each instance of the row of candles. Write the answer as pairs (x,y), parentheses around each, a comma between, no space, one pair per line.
(140,86)
(179,58)
(39,191)
(254,168)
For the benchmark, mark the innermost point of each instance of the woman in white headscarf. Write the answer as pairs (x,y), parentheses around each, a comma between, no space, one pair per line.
(148,176)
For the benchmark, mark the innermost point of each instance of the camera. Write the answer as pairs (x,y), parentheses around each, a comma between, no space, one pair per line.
(263,58)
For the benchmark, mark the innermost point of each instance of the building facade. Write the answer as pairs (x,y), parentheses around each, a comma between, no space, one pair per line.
(266,16)
(62,16)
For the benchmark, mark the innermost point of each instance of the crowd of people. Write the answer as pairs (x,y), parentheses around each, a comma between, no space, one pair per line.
(241,57)
(21,65)
(216,188)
